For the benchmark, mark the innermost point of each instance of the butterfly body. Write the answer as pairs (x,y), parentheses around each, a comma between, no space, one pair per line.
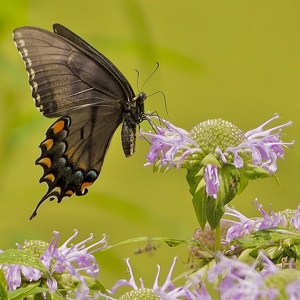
(72,81)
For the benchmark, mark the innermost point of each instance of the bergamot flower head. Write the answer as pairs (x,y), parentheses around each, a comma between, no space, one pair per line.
(262,280)
(219,158)
(65,264)
(275,232)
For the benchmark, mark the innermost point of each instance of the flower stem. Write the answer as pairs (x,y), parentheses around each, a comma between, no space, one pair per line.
(218,238)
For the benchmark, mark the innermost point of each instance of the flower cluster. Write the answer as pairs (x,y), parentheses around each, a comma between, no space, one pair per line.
(241,226)
(262,280)
(64,263)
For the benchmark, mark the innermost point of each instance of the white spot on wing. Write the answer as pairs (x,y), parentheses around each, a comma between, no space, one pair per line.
(40,108)
(37,98)
(28,62)
(31,74)
(57,189)
(24,52)
(34,86)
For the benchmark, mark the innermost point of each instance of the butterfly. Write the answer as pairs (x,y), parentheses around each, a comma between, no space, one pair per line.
(72,81)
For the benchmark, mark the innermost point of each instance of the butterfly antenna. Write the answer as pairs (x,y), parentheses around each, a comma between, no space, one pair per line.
(137,83)
(165,100)
(156,68)
(137,79)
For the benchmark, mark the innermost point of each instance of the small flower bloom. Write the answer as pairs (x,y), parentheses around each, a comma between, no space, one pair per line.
(167,291)
(242,281)
(64,263)
(295,219)
(207,239)
(242,227)
(287,218)
(212,180)
(272,220)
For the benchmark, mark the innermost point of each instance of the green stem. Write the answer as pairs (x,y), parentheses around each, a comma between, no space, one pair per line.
(218,247)
(218,238)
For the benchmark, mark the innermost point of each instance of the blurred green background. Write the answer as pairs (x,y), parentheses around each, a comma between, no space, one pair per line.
(237,60)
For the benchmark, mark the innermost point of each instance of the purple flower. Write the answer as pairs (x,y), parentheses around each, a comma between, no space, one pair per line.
(168,291)
(215,143)
(243,281)
(295,220)
(286,218)
(212,180)
(242,227)
(239,226)
(64,263)
(271,220)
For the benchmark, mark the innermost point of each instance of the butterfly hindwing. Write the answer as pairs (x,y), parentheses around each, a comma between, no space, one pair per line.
(72,80)
(73,152)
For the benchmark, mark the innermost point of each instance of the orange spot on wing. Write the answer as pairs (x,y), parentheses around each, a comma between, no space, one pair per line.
(59,126)
(69,193)
(45,161)
(48,143)
(50,177)
(85,185)
(70,152)
(82,166)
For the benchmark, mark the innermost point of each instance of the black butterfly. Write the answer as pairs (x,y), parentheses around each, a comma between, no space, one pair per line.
(73,81)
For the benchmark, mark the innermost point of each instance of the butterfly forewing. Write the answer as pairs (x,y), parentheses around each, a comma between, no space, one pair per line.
(89,50)
(72,80)
(62,77)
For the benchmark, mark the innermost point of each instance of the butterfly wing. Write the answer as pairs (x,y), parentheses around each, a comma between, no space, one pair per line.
(73,81)
(65,77)
(73,151)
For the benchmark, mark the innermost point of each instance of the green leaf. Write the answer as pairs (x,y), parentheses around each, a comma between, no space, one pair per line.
(200,202)
(244,256)
(212,160)
(197,185)
(243,183)
(95,285)
(268,236)
(23,292)
(214,211)
(194,178)
(230,179)
(20,257)
(252,171)
(296,249)
(3,291)
(169,241)
(274,251)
